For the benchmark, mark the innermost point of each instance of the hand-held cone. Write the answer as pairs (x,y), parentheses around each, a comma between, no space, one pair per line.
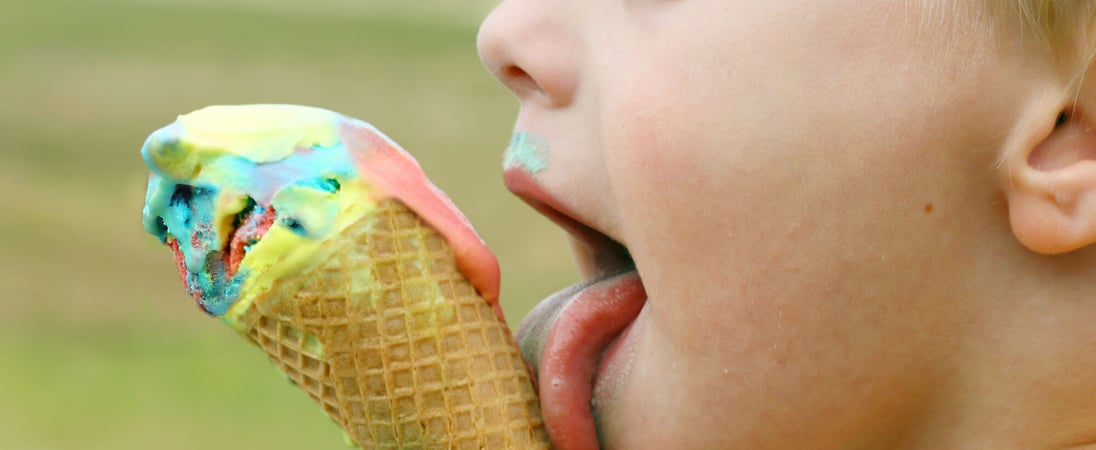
(321,240)
(395,344)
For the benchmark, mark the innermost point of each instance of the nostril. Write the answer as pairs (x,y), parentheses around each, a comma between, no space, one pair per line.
(515,72)
(518,80)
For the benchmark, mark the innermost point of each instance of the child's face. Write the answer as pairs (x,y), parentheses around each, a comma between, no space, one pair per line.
(784,175)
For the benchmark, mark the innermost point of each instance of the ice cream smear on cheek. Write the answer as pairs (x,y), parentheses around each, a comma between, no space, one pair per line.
(222,179)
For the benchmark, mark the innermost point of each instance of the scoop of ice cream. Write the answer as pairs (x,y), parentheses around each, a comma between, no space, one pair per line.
(249,194)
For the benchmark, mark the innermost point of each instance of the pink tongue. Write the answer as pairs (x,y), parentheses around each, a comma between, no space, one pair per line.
(564,338)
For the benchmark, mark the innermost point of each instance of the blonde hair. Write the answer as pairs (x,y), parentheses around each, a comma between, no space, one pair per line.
(1064,28)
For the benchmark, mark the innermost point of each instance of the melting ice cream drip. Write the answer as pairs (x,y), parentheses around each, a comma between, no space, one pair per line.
(209,261)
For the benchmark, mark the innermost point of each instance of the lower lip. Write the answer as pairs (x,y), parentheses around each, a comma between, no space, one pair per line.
(579,334)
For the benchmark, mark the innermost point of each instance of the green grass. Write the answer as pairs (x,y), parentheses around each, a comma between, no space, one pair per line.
(100,348)
(142,388)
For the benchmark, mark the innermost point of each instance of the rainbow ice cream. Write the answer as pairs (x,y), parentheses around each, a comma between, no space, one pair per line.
(320,240)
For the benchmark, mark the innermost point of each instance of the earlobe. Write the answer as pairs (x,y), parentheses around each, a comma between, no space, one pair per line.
(1051,184)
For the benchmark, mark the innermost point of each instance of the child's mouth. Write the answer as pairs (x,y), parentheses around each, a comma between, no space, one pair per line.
(570,337)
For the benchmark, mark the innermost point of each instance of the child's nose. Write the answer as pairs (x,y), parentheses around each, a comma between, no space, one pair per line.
(526,45)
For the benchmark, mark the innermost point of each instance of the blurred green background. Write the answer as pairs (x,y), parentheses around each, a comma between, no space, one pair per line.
(100,348)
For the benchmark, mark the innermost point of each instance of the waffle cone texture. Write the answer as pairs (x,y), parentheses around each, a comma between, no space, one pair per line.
(392,341)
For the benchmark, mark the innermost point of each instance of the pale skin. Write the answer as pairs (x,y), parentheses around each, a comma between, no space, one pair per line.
(859,224)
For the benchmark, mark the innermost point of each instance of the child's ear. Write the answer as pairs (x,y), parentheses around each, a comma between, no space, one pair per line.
(1050,181)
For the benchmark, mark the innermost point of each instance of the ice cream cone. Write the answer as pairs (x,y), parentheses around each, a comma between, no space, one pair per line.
(321,240)
(395,344)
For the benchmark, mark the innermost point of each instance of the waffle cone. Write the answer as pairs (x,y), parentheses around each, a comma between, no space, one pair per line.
(392,341)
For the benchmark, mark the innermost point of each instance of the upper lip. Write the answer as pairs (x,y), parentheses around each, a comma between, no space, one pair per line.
(603,253)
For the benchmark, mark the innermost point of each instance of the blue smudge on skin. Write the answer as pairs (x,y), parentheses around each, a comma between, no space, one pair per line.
(528,152)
